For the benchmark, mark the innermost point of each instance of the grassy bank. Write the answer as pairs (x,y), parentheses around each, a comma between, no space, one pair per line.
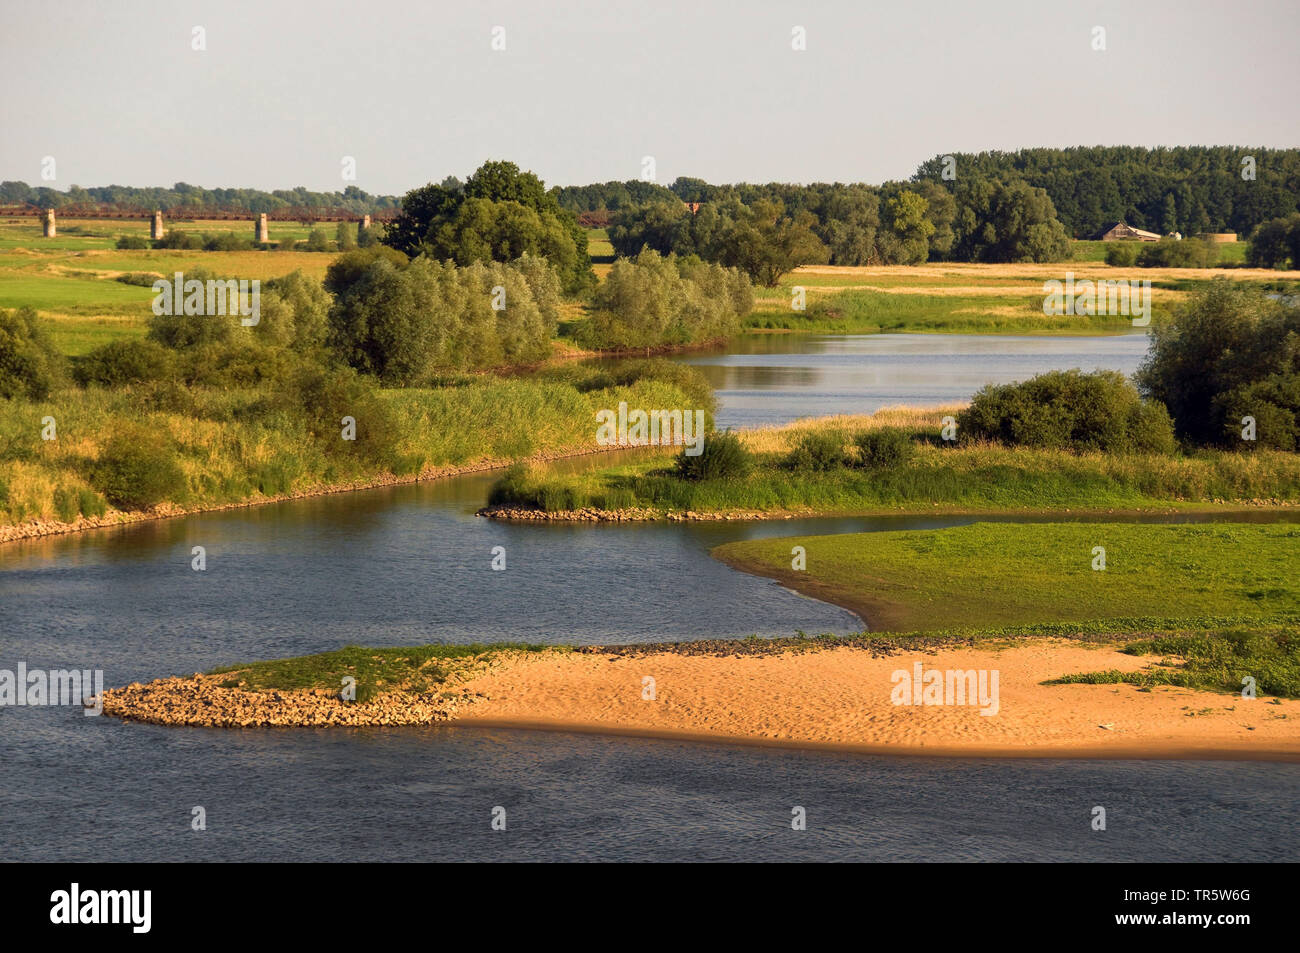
(1212,661)
(1205,656)
(246,444)
(963,298)
(990,574)
(979,477)
(414,670)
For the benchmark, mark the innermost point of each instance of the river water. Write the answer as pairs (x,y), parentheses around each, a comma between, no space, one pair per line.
(409,565)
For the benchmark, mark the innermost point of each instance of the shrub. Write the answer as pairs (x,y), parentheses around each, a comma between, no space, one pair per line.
(1229,352)
(1068,410)
(137,469)
(124,362)
(179,239)
(65,504)
(512,488)
(407,322)
(722,456)
(1274,242)
(225,241)
(1122,254)
(884,448)
(132,242)
(1178,253)
(30,366)
(345,236)
(143,279)
(647,302)
(318,240)
(818,450)
(329,395)
(90,503)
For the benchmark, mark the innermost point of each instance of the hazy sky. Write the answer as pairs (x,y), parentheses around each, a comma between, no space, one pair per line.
(583,90)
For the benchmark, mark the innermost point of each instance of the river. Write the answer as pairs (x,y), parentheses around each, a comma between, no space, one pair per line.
(410,564)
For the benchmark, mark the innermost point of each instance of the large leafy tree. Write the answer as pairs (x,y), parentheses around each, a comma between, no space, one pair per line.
(499,214)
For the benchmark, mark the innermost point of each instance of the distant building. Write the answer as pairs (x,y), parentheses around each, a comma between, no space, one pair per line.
(1122,232)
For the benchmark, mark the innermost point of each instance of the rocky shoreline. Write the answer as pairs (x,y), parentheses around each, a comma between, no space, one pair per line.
(202,701)
(591,514)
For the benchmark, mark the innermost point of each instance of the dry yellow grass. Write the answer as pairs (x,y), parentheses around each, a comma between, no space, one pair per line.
(780,439)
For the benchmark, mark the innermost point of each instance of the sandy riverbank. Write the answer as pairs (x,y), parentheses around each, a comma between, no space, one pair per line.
(835,698)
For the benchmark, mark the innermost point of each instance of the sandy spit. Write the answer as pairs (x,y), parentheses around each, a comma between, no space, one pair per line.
(834,698)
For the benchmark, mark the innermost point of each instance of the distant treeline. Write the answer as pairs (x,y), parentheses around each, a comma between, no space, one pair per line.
(183,194)
(1187,189)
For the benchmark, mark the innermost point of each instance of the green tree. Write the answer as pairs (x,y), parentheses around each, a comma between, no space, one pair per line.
(30,365)
(1230,352)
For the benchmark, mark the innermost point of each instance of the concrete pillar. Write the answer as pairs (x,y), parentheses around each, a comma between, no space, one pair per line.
(263,233)
(362,226)
(50,229)
(156,230)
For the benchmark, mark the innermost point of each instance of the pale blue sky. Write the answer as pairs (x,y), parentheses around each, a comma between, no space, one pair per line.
(583,90)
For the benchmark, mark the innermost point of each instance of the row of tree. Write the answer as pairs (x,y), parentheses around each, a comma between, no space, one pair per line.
(183,194)
(1187,189)
(767,231)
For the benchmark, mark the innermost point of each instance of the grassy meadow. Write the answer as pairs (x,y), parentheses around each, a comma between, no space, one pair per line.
(237,445)
(1005,574)
(72,279)
(974,478)
(961,298)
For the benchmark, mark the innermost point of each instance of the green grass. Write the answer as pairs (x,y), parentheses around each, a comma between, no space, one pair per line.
(999,574)
(873,312)
(413,669)
(231,449)
(978,478)
(1210,655)
(1212,661)
(599,249)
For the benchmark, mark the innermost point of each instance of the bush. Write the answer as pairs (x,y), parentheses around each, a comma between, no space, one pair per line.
(1122,254)
(137,469)
(30,366)
(722,456)
(90,503)
(179,239)
(142,279)
(318,240)
(329,395)
(132,242)
(345,236)
(647,302)
(407,322)
(1178,253)
(1069,410)
(124,362)
(884,448)
(1229,352)
(819,450)
(226,241)
(65,504)
(1274,243)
